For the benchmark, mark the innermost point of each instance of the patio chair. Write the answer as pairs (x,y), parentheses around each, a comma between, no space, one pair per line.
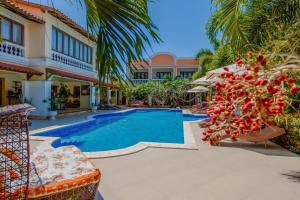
(63,173)
(199,108)
(263,135)
(14,151)
(137,103)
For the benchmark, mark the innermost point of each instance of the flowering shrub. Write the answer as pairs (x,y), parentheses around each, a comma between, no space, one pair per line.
(249,100)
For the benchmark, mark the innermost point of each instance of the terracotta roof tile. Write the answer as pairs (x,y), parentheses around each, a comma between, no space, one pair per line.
(11,5)
(54,12)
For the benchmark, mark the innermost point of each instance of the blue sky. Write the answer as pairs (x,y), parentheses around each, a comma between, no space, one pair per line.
(181,23)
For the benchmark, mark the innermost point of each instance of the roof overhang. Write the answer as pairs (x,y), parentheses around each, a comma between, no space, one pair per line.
(19,68)
(71,75)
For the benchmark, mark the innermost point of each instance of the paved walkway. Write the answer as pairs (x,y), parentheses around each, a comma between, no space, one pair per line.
(233,171)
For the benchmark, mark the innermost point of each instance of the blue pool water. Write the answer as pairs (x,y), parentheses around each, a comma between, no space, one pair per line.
(121,130)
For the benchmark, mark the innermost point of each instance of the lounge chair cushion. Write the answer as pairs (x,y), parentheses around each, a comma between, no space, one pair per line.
(58,169)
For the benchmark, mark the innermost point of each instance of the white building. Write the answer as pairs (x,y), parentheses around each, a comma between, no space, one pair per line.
(44,53)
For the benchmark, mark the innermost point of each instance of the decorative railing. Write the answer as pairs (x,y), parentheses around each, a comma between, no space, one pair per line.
(12,49)
(137,81)
(61,58)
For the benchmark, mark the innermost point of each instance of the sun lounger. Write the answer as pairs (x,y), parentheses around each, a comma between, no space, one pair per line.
(264,135)
(140,103)
(199,108)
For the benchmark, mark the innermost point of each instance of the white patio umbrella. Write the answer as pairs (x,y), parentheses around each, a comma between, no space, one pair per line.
(205,81)
(198,89)
(232,68)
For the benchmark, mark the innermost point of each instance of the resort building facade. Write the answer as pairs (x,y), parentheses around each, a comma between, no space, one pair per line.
(44,53)
(161,66)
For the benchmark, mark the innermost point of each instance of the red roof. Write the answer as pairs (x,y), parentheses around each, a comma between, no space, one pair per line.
(22,5)
(10,5)
(19,68)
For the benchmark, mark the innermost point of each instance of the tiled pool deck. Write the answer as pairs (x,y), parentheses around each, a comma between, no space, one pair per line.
(233,171)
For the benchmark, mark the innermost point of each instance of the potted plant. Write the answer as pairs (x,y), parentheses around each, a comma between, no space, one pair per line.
(94,107)
(53,107)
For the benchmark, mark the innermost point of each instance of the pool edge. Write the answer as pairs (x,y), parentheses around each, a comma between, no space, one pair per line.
(189,139)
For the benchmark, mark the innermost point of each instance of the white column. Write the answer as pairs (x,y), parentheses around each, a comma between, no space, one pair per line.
(98,97)
(38,93)
(150,101)
(25,92)
(120,98)
(92,95)
(108,95)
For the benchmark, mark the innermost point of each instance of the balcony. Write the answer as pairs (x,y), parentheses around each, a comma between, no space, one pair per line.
(11,49)
(69,61)
(138,81)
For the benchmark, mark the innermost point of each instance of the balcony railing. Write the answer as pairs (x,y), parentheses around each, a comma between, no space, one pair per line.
(61,58)
(12,49)
(137,81)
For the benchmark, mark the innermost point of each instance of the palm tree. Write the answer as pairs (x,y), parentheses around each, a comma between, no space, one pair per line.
(248,24)
(205,57)
(209,60)
(124,30)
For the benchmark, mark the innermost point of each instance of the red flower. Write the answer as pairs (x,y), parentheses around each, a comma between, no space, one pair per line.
(248,77)
(294,89)
(290,80)
(260,58)
(226,69)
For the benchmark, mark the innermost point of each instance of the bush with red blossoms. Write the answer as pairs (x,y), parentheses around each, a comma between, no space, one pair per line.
(247,101)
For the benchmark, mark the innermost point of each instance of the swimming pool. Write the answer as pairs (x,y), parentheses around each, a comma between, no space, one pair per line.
(123,129)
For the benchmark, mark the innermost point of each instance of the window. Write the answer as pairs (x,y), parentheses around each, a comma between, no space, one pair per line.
(85,53)
(17,33)
(81,51)
(71,53)
(140,75)
(162,75)
(90,55)
(59,41)
(6,29)
(186,74)
(54,39)
(66,44)
(77,50)
(11,31)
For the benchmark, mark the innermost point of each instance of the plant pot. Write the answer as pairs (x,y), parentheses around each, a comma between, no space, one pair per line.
(53,114)
(94,108)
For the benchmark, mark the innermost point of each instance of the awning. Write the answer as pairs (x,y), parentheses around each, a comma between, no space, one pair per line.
(19,68)
(71,75)
(198,89)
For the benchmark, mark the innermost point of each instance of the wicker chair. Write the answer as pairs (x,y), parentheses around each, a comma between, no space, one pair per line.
(14,151)
(63,173)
